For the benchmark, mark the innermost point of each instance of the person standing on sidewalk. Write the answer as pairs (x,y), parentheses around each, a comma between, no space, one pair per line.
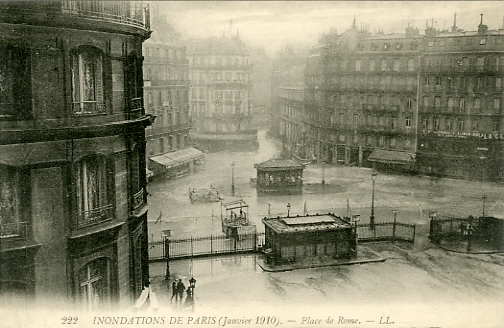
(174,291)
(180,290)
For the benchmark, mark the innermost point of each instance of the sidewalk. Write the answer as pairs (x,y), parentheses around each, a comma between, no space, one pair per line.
(364,255)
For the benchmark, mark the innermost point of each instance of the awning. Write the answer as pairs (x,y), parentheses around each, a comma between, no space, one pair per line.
(178,157)
(391,156)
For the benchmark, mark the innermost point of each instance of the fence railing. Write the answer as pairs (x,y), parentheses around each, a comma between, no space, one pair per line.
(205,246)
(386,231)
(216,245)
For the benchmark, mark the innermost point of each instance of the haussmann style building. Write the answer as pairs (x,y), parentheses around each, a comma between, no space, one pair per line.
(221,105)
(166,89)
(73,206)
(426,103)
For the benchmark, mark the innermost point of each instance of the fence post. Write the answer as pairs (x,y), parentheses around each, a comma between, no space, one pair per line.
(414,232)
(394,231)
(255,241)
(211,244)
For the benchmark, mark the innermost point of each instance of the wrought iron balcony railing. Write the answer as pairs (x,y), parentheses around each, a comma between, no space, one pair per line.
(94,216)
(88,107)
(138,199)
(17,230)
(133,13)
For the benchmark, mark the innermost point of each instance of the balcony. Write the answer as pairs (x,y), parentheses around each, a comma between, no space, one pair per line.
(138,199)
(14,231)
(136,109)
(94,216)
(125,12)
(88,107)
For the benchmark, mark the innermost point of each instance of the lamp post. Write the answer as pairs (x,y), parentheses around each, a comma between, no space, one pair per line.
(232,179)
(166,238)
(371,218)
(288,209)
(469,234)
(394,227)
(323,173)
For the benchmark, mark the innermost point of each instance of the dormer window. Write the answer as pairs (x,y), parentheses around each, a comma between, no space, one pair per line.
(482,42)
(87,81)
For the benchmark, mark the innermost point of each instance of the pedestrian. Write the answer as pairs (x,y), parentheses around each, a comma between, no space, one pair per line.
(180,290)
(174,291)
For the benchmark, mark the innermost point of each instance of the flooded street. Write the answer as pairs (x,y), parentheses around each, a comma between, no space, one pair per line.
(412,196)
(417,284)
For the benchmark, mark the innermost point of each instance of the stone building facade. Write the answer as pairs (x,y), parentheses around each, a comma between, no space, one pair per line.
(429,103)
(73,206)
(166,91)
(220,95)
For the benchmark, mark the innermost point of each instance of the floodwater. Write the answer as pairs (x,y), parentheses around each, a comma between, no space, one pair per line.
(346,189)
(420,286)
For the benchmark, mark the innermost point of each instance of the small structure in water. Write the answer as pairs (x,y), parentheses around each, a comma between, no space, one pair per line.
(279,176)
(322,236)
(204,195)
(235,220)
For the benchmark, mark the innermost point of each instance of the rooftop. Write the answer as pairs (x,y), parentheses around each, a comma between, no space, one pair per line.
(306,223)
(279,163)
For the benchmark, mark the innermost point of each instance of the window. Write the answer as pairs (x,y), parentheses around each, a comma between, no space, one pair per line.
(496,105)
(372,65)
(498,82)
(477,104)
(87,81)
(357,65)
(462,104)
(495,125)
(408,122)
(383,65)
(451,104)
(409,103)
(482,42)
(448,125)
(10,225)
(431,43)
(426,102)
(94,284)
(397,65)
(437,102)
(411,65)
(94,203)
(15,94)
(435,124)
(424,123)
(461,125)
(475,126)
(480,63)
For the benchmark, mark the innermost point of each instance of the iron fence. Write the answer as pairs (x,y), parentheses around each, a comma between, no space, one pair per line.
(386,231)
(215,245)
(449,228)
(205,246)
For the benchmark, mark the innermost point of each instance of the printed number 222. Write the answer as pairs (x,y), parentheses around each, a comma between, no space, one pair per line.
(69,320)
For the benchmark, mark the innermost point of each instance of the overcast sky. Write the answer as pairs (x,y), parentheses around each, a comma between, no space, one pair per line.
(274,23)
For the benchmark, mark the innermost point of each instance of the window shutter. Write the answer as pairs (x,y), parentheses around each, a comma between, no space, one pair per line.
(99,83)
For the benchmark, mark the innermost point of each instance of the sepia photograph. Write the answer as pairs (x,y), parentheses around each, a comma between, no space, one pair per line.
(251,164)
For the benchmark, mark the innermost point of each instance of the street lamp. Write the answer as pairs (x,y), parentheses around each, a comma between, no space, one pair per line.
(232,179)
(394,227)
(166,238)
(371,218)
(288,209)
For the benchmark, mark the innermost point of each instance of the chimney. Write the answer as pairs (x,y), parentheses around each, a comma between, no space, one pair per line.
(482,28)
(454,27)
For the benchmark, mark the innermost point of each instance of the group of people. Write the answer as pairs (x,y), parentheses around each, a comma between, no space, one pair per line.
(178,289)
